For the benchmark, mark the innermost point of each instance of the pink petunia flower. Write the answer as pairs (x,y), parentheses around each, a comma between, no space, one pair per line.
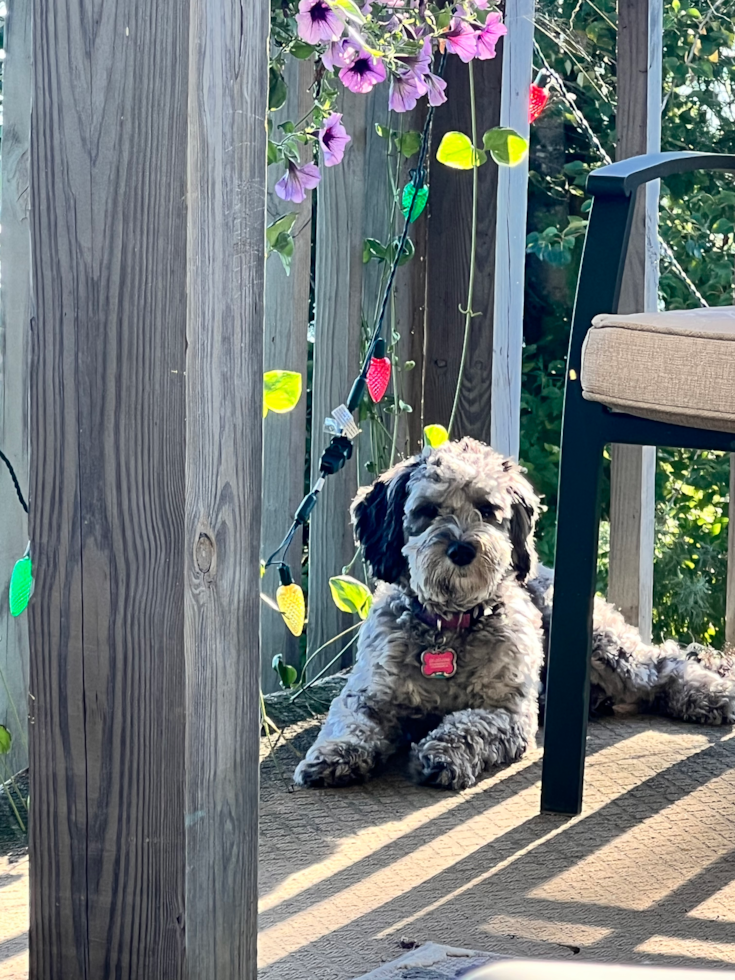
(489,36)
(435,88)
(461,40)
(317,22)
(297,181)
(340,54)
(334,139)
(363,74)
(406,89)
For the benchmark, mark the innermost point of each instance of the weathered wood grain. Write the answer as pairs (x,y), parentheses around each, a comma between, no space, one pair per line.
(510,249)
(338,301)
(285,347)
(228,75)
(450,205)
(148,158)
(633,468)
(15,332)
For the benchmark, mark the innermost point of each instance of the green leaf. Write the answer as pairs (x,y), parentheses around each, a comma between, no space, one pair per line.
(384,131)
(505,146)
(21,585)
(284,247)
(283,224)
(274,152)
(373,249)
(350,9)
(281,390)
(300,49)
(435,435)
(6,740)
(287,674)
(443,18)
(277,90)
(350,595)
(419,201)
(456,151)
(406,254)
(408,143)
(723,227)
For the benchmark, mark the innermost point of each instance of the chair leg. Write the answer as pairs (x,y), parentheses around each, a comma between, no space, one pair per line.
(570,635)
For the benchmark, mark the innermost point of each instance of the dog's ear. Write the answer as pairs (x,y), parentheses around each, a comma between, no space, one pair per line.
(524,510)
(377,513)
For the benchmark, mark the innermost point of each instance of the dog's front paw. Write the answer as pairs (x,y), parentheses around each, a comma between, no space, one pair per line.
(434,763)
(334,764)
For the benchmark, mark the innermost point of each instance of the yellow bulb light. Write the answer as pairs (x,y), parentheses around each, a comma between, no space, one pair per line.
(290,601)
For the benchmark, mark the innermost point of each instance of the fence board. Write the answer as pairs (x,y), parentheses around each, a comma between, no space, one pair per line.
(285,347)
(341,199)
(15,328)
(633,468)
(510,250)
(450,205)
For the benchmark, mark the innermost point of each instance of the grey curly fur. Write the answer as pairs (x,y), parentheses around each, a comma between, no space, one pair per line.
(487,713)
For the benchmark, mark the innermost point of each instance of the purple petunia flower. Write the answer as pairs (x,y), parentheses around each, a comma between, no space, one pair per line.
(340,54)
(489,36)
(363,74)
(406,89)
(461,40)
(297,181)
(419,63)
(317,22)
(334,139)
(435,87)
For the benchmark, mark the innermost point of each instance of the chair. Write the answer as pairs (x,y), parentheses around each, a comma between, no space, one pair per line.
(639,380)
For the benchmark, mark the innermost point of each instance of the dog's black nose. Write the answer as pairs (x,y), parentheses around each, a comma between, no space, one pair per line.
(461,553)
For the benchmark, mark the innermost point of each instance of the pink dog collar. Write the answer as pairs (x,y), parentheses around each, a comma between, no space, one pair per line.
(458,621)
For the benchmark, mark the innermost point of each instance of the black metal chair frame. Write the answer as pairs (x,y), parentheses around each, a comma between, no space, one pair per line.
(586,428)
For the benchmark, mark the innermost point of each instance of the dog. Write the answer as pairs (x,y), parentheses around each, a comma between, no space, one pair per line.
(451,659)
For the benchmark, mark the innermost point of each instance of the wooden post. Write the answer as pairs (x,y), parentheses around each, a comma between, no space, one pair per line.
(285,348)
(147,180)
(633,468)
(15,332)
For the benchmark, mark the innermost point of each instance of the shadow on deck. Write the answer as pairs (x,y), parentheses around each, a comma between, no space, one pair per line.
(351,877)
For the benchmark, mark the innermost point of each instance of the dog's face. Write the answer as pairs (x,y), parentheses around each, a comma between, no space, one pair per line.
(450,526)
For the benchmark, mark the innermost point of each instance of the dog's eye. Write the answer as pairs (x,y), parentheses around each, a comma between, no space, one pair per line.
(426,513)
(488,513)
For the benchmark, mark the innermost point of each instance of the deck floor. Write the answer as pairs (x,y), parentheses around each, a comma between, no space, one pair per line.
(352,878)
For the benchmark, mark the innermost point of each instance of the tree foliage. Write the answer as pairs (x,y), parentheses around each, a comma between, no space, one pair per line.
(578,39)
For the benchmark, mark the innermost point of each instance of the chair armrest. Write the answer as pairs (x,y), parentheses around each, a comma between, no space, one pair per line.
(621,179)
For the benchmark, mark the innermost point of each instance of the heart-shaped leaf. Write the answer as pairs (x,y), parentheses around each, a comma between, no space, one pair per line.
(505,146)
(435,435)
(416,197)
(350,595)
(456,151)
(281,391)
(286,673)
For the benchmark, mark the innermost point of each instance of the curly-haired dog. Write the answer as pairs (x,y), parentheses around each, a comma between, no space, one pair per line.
(451,657)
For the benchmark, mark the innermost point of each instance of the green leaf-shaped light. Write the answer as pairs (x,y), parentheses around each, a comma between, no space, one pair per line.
(350,595)
(21,585)
(435,435)
(6,740)
(281,391)
(456,151)
(419,201)
(505,146)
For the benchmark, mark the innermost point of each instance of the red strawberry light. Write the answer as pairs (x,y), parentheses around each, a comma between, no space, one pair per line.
(378,374)
(538,98)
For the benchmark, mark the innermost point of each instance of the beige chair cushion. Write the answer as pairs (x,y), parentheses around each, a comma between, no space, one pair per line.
(674,367)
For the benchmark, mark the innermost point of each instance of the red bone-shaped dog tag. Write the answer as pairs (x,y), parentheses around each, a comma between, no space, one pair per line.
(438,663)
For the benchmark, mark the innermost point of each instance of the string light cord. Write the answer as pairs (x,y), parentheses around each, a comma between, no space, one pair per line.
(14,478)
(339,450)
